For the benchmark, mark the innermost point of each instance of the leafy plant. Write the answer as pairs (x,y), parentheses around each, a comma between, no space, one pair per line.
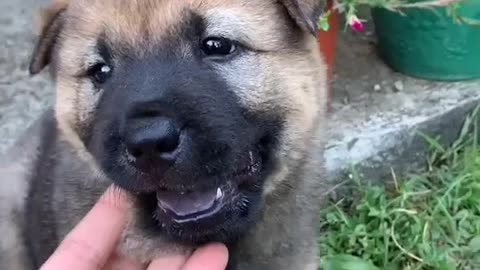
(428,221)
(350,8)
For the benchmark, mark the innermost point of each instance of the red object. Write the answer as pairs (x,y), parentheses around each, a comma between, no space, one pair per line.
(356,24)
(327,41)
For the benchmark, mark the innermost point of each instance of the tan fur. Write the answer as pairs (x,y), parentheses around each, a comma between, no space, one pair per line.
(45,15)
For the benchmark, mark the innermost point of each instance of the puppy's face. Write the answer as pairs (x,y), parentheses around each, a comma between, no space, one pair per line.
(200,108)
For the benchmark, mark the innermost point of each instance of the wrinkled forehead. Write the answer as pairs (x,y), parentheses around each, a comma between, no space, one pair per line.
(257,22)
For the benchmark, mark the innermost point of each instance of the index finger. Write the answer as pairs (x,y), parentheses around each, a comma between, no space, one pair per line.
(210,257)
(89,245)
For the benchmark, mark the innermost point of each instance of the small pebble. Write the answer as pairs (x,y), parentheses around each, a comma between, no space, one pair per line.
(398,86)
(377,87)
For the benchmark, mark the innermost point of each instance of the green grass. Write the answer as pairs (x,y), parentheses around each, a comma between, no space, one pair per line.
(428,220)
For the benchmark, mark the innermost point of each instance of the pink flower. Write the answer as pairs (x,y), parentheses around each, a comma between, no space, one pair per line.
(355,24)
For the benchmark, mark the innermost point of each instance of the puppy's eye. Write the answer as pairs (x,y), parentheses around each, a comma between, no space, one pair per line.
(218,46)
(100,73)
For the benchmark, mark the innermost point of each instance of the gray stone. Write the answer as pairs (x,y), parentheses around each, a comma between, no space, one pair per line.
(398,86)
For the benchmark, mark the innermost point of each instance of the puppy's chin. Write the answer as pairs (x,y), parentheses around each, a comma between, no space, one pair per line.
(140,242)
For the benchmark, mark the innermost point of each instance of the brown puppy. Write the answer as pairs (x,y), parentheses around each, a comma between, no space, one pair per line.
(209,111)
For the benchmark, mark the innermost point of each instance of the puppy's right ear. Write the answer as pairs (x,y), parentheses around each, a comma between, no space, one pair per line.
(50,23)
(306,12)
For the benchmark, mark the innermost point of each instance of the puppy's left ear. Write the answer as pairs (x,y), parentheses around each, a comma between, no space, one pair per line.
(306,12)
(49,23)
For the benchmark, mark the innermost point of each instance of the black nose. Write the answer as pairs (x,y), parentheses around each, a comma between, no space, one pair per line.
(152,141)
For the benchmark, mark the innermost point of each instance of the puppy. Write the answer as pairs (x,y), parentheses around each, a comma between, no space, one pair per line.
(210,113)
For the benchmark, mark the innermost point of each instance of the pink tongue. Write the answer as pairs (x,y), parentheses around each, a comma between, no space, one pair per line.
(188,203)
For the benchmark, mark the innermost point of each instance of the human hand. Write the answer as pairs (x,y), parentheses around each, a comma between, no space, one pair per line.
(91,244)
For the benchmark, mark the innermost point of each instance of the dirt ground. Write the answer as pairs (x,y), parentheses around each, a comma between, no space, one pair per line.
(22,98)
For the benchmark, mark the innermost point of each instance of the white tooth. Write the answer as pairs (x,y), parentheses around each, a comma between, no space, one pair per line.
(219,193)
(251,156)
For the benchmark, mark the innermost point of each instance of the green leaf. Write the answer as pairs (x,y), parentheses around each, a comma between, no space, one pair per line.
(323,22)
(324,26)
(474,244)
(374,212)
(432,142)
(346,262)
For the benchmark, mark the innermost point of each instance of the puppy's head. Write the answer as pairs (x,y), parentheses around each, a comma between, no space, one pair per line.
(200,108)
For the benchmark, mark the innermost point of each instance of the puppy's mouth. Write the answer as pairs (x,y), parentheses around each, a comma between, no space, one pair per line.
(190,206)
(196,205)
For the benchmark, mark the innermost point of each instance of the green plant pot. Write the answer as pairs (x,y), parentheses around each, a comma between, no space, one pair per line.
(428,44)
